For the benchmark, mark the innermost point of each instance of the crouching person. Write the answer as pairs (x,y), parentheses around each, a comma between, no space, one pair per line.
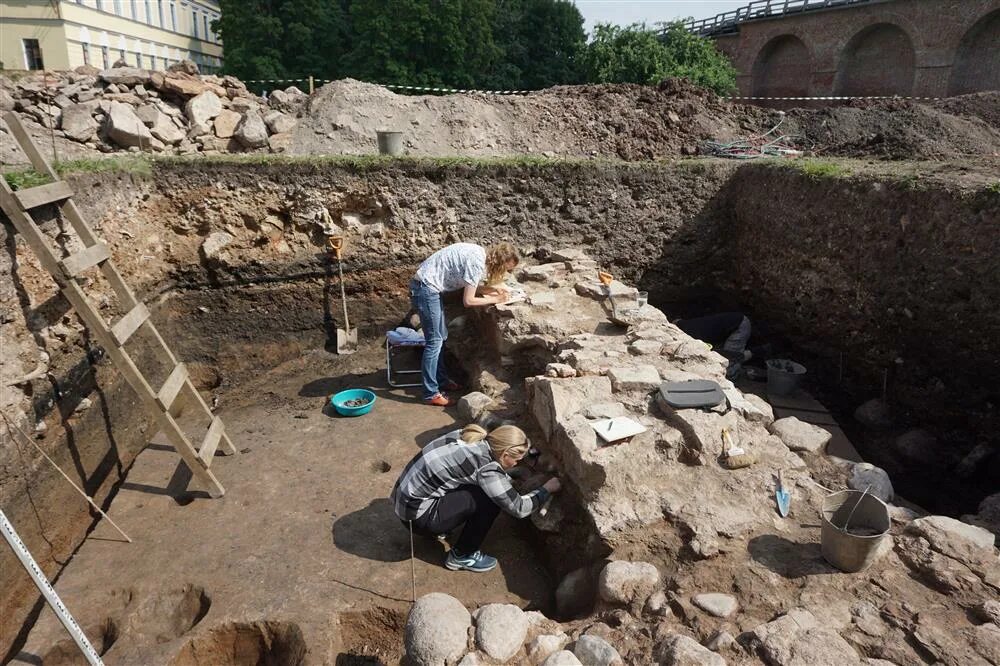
(461,479)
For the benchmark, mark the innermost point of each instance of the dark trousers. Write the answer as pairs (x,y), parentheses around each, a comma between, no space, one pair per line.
(468,505)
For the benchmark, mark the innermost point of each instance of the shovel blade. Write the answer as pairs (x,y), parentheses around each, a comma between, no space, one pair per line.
(784,500)
(347,341)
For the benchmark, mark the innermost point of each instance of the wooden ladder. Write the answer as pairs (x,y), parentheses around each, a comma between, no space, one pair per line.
(164,402)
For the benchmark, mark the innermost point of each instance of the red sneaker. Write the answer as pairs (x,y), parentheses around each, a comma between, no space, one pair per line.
(437,400)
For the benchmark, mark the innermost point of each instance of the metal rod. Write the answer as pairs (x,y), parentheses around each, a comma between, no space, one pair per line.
(851,514)
(69,480)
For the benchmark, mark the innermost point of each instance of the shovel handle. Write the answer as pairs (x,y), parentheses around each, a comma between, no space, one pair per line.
(336,244)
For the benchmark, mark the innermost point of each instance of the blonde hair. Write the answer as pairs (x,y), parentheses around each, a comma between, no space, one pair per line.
(505,439)
(497,258)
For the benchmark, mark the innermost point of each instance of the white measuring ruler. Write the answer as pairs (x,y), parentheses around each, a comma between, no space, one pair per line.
(46,589)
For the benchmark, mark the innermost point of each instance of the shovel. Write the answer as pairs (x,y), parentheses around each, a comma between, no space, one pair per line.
(347,338)
(782,496)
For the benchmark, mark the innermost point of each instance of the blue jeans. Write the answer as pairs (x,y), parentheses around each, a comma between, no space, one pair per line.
(428,305)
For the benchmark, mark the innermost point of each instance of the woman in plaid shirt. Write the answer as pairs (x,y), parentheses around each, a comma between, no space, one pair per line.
(462,478)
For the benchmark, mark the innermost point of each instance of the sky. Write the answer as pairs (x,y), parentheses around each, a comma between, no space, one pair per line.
(624,12)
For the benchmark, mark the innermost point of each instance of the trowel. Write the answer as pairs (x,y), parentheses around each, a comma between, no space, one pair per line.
(347,338)
(782,496)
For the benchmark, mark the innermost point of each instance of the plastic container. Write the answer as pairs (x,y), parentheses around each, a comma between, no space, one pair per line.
(339,399)
(783,376)
(855,548)
(389,142)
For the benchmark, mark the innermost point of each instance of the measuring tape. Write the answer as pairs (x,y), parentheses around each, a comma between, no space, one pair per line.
(29,564)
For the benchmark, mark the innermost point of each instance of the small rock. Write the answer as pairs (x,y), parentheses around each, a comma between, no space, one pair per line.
(437,630)
(679,650)
(989,611)
(972,462)
(472,659)
(626,582)
(251,132)
(215,243)
(186,66)
(873,414)
(900,514)
(279,143)
(500,630)
(83,405)
(595,651)
(864,475)
(125,76)
(279,123)
(604,410)
(472,405)
(657,604)
(644,378)
(645,348)
(562,658)
(800,436)
(560,370)
(721,641)
(717,604)
(545,645)
(6,100)
(918,447)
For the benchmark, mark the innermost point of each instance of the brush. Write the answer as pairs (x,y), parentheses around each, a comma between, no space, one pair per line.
(734,457)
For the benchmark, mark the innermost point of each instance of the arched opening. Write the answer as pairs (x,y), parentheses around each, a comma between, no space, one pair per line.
(783,68)
(977,60)
(879,60)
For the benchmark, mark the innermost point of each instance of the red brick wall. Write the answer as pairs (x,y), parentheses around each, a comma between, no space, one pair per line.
(923,48)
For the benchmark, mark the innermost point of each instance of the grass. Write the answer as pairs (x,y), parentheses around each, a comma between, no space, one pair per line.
(819,169)
(131,164)
(993,188)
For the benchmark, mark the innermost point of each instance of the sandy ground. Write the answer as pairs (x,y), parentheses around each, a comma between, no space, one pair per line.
(304,533)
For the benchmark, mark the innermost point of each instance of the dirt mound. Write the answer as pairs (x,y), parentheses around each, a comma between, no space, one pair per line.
(894,129)
(984,105)
(629,122)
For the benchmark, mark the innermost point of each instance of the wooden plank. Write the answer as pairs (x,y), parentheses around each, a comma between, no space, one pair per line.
(129,324)
(89,257)
(171,387)
(42,195)
(211,442)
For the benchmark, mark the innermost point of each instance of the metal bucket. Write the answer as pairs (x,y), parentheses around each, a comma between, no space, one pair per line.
(783,376)
(856,548)
(390,143)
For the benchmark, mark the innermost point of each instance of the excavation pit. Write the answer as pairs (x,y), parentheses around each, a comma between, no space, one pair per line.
(305,533)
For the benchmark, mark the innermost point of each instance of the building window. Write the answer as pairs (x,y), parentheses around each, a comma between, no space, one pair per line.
(159,10)
(138,60)
(208,32)
(173,17)
(118,8)
(99,4)
(32,54)
(194,22)
(105,56)
(86,54)
(135,9)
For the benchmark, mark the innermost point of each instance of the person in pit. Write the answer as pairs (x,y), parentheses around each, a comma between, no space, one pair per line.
(458,266)
(461,479)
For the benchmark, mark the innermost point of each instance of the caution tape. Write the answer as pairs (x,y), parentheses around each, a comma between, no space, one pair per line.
(439,89)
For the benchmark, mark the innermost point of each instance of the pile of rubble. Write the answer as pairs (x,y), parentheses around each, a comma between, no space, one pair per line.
(703,569)
(174,112)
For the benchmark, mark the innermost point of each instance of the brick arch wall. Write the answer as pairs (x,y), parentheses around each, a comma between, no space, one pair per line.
(878,60)
(783,68)
(977,60)
(935,27)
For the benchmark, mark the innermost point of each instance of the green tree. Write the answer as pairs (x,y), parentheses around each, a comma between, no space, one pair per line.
(539,41)
(638,54)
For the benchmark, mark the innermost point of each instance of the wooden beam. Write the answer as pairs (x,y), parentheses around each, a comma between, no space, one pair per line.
(89,257)
(33,197)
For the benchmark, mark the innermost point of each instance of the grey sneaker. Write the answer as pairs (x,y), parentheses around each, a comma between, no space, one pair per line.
(478,561)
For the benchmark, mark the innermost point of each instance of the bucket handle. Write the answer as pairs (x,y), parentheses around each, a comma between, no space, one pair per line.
(851,514)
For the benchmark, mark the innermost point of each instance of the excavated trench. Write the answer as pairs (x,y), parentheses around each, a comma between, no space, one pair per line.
(874,277)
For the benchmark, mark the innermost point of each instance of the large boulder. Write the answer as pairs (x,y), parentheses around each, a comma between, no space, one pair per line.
(279,122)
(642,378)
(952,537)
(595,651)
(472,405)
(201,108)
(797,638)
(500,630)
(252,132)
(185,66)
(7,101)
(875,479)
(437,630)
(679,650)
(160,124)
(125,76)
(545,645)
(625,583)
(800,436)
(225,123)
(78,123)
(125,128)
(917,447)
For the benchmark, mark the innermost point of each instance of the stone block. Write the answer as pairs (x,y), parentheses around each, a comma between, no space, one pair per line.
(800,436)
(642,378)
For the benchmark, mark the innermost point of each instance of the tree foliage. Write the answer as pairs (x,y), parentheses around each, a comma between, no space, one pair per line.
(496,44)
(638,54)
